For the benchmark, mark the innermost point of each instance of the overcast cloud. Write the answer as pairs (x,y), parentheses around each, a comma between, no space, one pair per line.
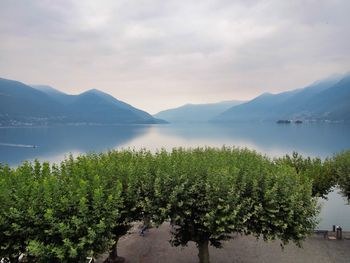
(158,54)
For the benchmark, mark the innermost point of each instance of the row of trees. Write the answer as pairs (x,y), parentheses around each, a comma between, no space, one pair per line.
(325,175)
(81,207)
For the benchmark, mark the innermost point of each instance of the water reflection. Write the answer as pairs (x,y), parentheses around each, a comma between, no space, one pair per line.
(334,211)
(269,138)
(53,143)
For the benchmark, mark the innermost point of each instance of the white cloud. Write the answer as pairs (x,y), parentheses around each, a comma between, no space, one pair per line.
(156,54)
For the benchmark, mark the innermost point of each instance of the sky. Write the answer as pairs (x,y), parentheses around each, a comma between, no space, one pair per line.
(160,54)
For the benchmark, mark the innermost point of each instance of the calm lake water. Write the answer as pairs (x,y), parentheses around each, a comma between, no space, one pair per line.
(312,139)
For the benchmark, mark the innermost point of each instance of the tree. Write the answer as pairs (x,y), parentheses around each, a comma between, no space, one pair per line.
(341,166)
(78,208)
(120,165)
(219,192)
(11,240)
(20,203)
(66,212)
(321,172)
(57,214)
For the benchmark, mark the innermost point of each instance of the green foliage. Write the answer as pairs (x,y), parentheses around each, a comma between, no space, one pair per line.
(218,192)
(82,208)
(341,166)
(58,214)
(66,212)
(320,172)
(281,206)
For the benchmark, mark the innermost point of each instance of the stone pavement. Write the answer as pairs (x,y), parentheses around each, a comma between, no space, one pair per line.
(155,248)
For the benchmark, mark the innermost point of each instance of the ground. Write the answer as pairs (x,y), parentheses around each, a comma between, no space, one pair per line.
(154,247)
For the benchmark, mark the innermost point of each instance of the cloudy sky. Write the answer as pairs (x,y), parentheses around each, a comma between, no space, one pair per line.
(158,54)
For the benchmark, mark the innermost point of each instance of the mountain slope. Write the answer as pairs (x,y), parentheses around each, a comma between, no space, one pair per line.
(122,105)
(55,94)
(195,112)
(302,105)
(95,106)
(261,108)
(20,100)
(332,103)
(42,105)
(323,100)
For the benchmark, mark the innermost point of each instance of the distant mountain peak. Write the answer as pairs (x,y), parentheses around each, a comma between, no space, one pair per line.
(95,91)
(327,99)
(195,112)
(43,105)
(266,94)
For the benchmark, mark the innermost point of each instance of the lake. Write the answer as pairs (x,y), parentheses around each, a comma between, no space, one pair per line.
(312,139)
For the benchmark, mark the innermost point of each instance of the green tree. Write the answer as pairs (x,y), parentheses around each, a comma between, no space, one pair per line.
(138,172)
(20,191)
(215,193)
(66,212)
(320,172)
(10,242)
(57,214)
(341,166)
(119,165)
(81,206)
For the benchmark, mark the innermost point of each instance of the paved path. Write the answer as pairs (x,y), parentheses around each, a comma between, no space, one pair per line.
(155,248)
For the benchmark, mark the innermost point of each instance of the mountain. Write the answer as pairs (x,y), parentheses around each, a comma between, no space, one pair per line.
(196,112)
(323,100)
(55,94)
(21,104)
(332,103)
(264,106)
(120,104)
(18,100)
(96,106)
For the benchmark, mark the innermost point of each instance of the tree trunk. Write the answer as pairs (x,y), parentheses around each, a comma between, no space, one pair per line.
(203,251)
(147,222)
(113,255)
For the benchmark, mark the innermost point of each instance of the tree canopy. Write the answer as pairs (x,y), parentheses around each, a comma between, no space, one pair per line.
(81,207)
(341,168)
(320,172)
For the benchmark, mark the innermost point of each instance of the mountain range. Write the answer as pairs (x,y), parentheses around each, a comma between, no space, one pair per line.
(325,100)
(21,104)
(196,112)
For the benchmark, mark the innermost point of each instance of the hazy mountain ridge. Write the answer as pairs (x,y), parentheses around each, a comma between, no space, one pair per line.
(21,104)
(326,100)
(14,98)
(195,112)
(55,94)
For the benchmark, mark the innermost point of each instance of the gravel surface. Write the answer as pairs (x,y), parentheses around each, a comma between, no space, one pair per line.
(155,248)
